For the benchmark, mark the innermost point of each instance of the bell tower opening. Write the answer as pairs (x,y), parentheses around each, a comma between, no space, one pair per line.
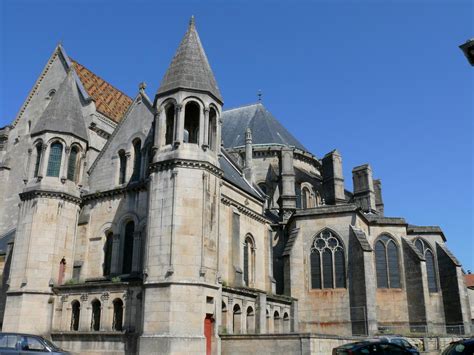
(191,123)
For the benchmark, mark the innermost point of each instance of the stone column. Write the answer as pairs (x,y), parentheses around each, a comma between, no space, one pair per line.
(27,172)
(205,142)
(179,125)
(160,118)
(260,314)
(43,159)
(105,319)
(85,314)
(129,166)
(248,166)
(115,268)
(64,164)
(288,196)
(137,245)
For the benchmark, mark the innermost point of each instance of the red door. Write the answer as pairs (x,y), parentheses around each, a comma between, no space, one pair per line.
(208,325)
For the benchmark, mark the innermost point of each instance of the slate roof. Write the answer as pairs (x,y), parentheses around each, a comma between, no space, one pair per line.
(290,242)
(64,112)
(449,254)
(108,100)
(233,175)
(362,238)
(5,240)
(414,249)
(189,68)
(264,126)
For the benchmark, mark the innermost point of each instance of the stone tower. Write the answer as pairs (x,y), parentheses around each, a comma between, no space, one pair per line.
(48,211)
(181,286)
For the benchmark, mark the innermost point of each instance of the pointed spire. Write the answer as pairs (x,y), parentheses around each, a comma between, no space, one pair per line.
(64,112)
(190,68)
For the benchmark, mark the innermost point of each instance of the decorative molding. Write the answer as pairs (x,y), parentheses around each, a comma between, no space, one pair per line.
(243,210)
(184,163)
(133,187)
(29,195)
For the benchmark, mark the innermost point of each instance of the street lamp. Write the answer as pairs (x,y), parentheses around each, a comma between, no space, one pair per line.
(468,49)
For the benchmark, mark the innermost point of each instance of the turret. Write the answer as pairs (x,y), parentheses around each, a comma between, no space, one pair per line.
(181,261)
(49,208)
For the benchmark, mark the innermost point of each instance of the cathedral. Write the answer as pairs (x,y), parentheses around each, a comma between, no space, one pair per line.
(166,224)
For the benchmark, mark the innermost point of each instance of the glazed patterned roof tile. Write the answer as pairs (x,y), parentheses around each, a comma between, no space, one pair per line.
(108,100)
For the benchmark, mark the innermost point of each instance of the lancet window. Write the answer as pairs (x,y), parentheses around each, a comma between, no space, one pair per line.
(387,263)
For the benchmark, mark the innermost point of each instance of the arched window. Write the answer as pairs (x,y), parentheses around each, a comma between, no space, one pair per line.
(276,322)
(117,322)
(54,163)
(237,320)
(72,164)
(249,260)
(387,263)
(137,160)
(306,198)
(109,239)
(39,151)
(223,328)
(122,167)
(75,314)
(191,123)
(128,248)
(169,129)
(425,249)
(298,195)
(212,132)
(327,262)
(95,319)
(250,320)
(286,322)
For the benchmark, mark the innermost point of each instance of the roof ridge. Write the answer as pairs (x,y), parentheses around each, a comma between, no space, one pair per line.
(243,106)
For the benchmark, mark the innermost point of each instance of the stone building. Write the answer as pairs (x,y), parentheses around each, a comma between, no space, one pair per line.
(146,225)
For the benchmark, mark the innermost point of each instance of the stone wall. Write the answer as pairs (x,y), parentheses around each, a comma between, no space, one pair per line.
(309,344)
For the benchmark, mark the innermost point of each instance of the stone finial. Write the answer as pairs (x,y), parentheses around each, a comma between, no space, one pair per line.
(259,95)
(192,21)
(142,87)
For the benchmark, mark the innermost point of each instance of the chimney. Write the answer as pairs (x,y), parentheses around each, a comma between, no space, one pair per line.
(333,179)
(378,196)
(364,194)
(248,164)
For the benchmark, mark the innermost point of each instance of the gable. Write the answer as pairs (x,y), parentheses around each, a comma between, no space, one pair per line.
(137,123)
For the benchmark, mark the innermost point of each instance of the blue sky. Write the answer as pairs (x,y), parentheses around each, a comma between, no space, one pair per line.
(383,82)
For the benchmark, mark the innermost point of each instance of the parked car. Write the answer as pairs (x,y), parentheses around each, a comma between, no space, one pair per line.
(464,347)
(14,343)
(375,346)
(399,340)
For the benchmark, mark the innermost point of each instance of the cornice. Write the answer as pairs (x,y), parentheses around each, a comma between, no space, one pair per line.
(185,163)
(244,210)
(28,195)
(131,187)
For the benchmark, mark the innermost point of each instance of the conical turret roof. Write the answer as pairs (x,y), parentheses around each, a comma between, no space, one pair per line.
(64,112)
(190,68)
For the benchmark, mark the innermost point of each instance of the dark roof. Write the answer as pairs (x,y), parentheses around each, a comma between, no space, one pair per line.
(5,240)
(290,242)
(265,128)
(362,238)
(412,229)
(448,253)
(64,112)
(414,249)
(190,68)
(233,175)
